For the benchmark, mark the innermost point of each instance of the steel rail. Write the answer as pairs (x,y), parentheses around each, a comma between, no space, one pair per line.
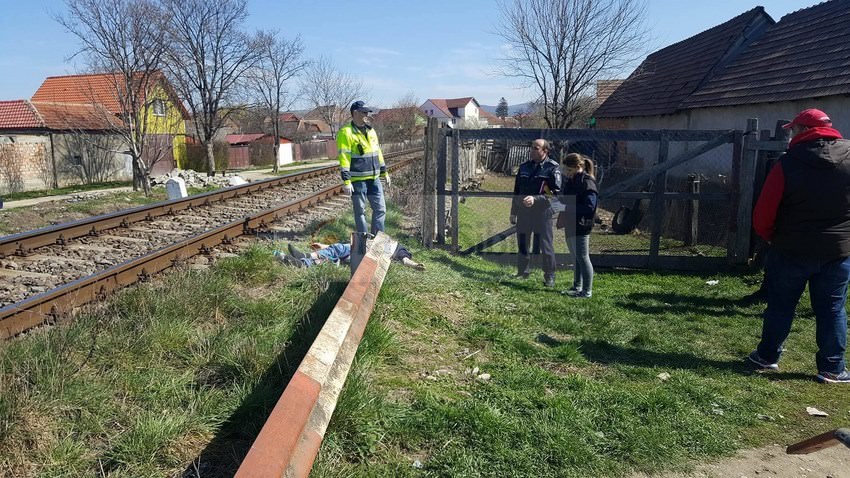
(55,304)
(22,244)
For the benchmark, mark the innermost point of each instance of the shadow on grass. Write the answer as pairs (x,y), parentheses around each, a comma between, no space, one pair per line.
(606,354)
(653,303)
(224,454)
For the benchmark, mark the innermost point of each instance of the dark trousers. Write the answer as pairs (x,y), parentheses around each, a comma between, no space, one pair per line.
(786,280)
(541,227)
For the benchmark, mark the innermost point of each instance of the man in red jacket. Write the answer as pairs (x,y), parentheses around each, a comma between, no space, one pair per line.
(804,213)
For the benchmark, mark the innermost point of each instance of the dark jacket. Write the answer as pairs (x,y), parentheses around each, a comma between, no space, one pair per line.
(541,180)
(579,195)
(804,206)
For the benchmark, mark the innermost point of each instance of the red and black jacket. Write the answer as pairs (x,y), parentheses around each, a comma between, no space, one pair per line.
(804,206)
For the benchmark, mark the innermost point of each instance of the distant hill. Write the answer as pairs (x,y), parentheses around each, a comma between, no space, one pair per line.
(512,109)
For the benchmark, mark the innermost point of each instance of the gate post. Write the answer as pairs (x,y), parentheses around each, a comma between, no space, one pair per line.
(658,203)
(745,193)
(429,200)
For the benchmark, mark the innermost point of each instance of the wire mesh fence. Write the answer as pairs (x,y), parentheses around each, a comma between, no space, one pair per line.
(697,189)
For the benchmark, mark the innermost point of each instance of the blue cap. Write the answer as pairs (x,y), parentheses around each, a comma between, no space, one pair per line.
(361,107)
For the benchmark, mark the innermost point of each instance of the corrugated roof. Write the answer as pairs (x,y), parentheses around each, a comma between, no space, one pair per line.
(804,55)
(667,77)
(19,114)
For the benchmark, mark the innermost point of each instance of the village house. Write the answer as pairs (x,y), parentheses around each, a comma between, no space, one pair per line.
(454,112)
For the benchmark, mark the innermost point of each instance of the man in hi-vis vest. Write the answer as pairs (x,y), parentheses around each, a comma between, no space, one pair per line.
(362,165)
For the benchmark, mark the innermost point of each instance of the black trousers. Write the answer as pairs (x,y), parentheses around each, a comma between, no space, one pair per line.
(541,227)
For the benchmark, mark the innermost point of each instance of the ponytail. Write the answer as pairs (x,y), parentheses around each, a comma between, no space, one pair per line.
(575,160)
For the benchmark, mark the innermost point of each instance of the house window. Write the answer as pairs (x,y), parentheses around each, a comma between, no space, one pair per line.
(158,108)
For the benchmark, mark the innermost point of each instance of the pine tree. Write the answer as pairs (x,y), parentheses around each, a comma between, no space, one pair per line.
(502,108)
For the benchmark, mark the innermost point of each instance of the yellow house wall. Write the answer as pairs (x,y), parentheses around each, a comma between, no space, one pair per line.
(172,124)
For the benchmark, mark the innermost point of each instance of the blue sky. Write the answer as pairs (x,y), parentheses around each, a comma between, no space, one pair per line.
(433,48)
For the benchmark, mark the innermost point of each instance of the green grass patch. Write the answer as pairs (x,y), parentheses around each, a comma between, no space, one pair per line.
(66,190)
(574,386)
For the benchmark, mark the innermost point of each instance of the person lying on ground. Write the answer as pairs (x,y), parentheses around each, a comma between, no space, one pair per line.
(338,253)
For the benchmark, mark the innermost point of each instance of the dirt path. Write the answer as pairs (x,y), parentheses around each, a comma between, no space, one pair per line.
(773,462)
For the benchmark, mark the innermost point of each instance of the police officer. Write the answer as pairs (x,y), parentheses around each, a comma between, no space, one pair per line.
(362,163)
(537,182)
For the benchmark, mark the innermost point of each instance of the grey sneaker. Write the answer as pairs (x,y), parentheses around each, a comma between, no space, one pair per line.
(572,291)
(763,364)
(583,294)
(549,281)
(827,377)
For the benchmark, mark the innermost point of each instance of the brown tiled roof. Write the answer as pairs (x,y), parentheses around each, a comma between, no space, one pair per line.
(70,116)
(804,55)
(667,77)
(389,114)
(97,88)
(449,106)
(604,89)
(19,114)
(243,138)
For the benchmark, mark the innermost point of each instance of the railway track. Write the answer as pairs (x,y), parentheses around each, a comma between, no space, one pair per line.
(46,273)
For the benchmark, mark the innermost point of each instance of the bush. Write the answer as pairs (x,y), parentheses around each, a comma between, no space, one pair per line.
(196,156)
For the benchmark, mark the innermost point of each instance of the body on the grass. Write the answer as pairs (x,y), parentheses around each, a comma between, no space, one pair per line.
(361,163)
(338,253)
(579,196)
(537,183)
(803,211)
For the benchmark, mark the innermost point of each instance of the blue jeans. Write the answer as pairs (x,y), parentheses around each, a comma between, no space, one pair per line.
(372,190)
(579,247)
(786,280)
(337,253)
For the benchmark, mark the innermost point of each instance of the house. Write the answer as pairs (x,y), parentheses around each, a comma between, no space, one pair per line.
(166,118)
(399,124)
(256,149)
(455,112)
(328,119)
(494,121)
(747,67)
(298,128)
(39,149)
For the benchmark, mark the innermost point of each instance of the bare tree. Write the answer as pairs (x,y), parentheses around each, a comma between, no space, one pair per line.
(403,122)
(11,177)
(330,91)
(280,61)
(123,38)
(561,47)
(208,56)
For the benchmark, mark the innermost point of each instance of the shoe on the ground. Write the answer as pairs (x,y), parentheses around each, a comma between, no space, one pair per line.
(521,275)
(294,252)
(582,294)
(827,377)
(549,281)
(572,291)
(755,358)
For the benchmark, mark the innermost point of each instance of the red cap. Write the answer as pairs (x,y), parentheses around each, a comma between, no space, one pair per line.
(811,118)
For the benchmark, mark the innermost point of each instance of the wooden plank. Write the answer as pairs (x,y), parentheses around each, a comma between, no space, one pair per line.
(745,197)
(658,204)
(429,200)
(455,188)
(692,212)
(646,175)
(494,239)
(768,145)
(442,162)
(592,134)
(732,235)
(819,442)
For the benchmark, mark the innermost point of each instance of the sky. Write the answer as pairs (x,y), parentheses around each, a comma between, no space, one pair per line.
(430,49)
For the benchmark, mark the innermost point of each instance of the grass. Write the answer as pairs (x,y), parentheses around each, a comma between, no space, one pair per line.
(79,188)
(179,375)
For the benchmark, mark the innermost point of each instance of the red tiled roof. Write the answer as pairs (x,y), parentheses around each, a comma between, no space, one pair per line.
(446,105)
(98,88)
(389,114)
(286,117)
(69,116)
(243,138)
(19,114)
(667,77)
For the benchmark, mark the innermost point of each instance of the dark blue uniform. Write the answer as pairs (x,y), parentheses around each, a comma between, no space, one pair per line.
(542,181)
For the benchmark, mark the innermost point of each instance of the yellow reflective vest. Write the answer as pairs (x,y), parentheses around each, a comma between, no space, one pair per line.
(360,156)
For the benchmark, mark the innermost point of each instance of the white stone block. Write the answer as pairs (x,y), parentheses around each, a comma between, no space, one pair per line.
(176,188)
